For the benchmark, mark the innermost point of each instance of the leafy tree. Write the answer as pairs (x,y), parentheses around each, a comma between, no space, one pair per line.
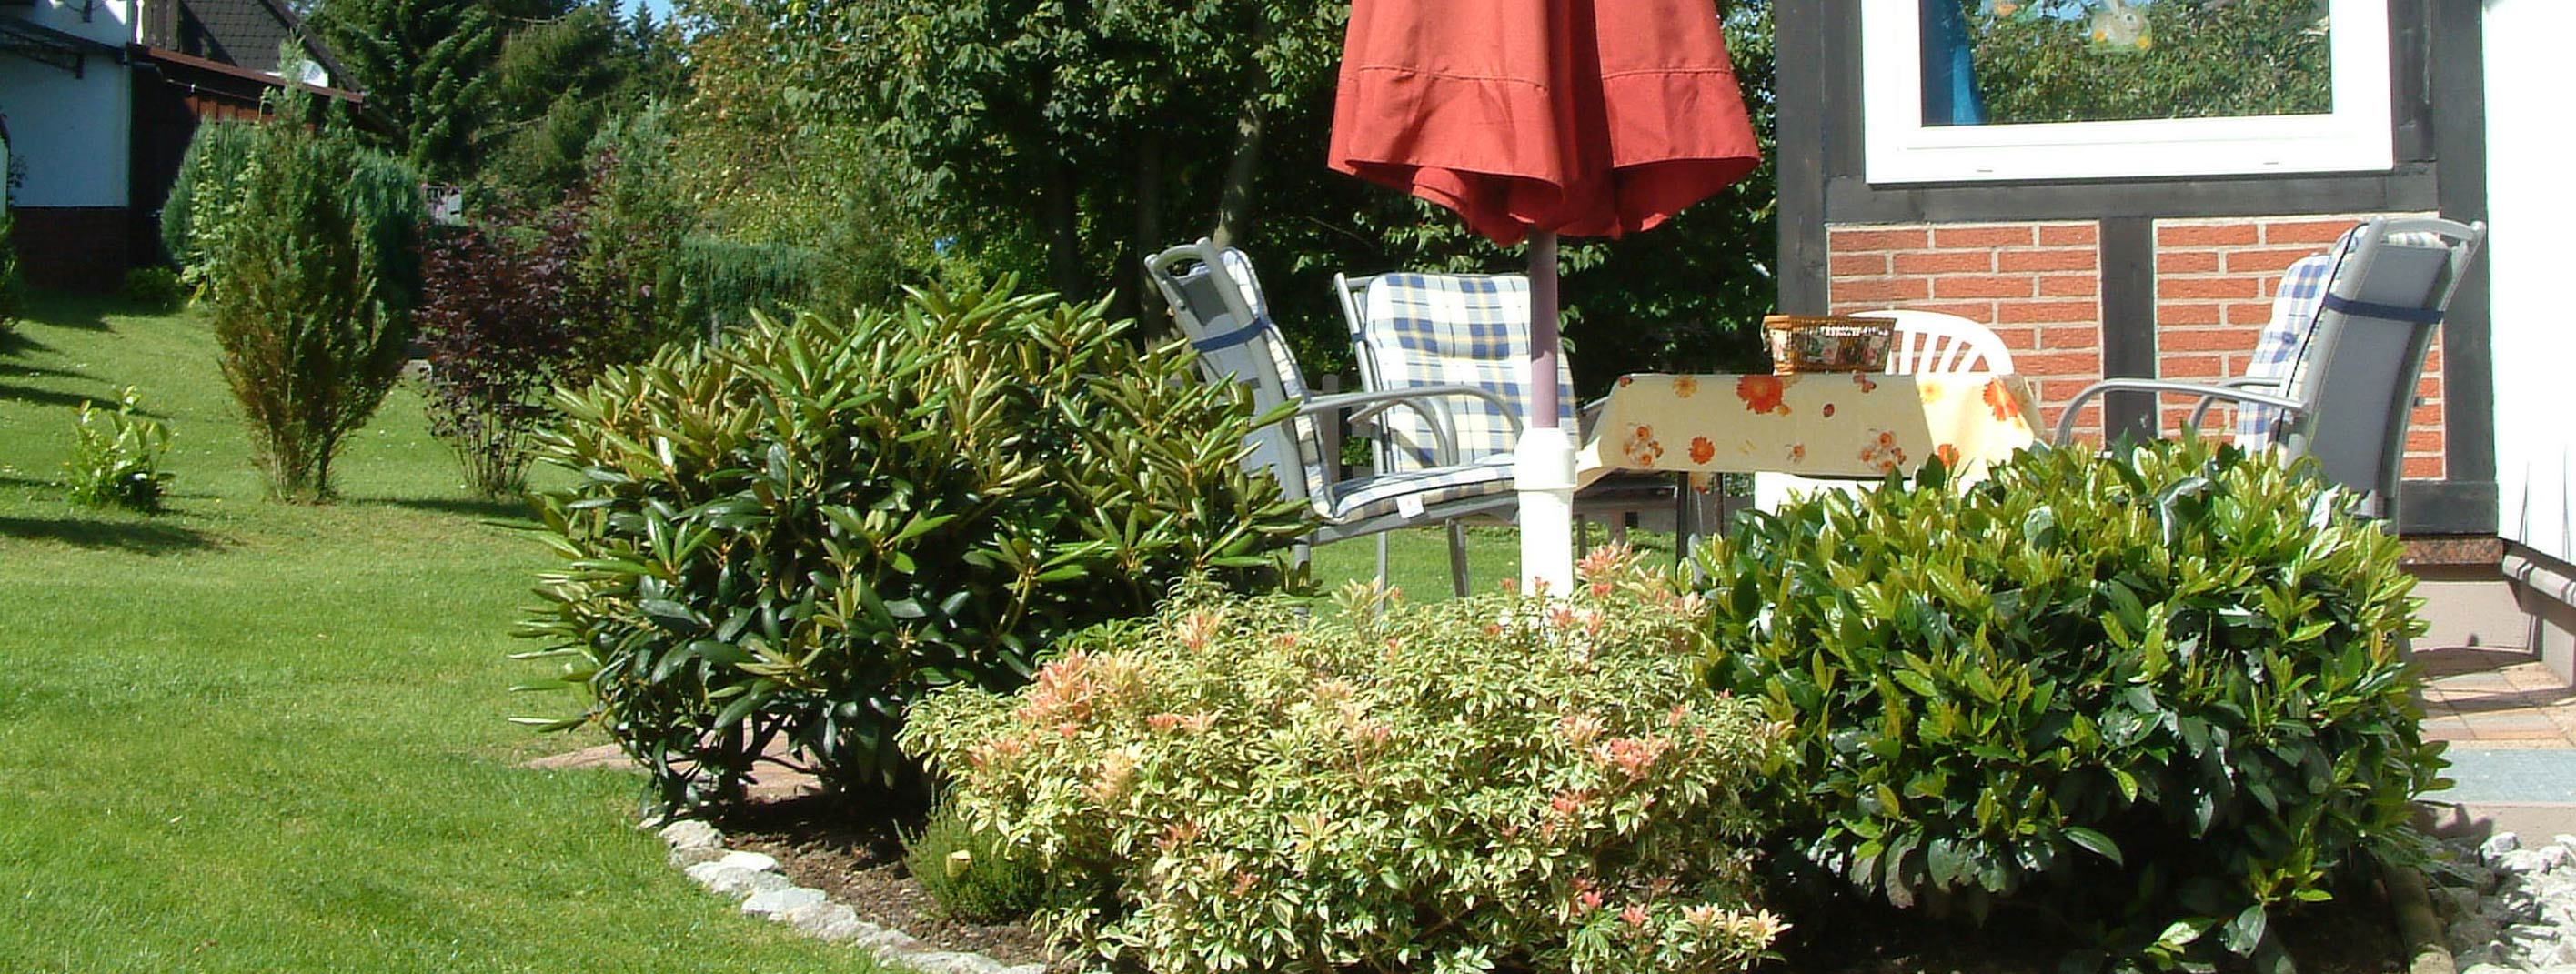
(558,82)
(423,65)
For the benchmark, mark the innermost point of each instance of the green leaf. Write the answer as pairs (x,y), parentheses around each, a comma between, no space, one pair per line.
(2095,842)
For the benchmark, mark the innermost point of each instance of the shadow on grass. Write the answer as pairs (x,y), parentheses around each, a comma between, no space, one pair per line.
(21,370)
(515,513)
(63,309)
(137,537)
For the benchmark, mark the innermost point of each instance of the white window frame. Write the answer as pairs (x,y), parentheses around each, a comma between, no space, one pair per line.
(2355,137)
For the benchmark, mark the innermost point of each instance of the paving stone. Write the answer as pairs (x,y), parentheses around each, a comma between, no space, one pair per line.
(2497,845)
(724,880)
(692,834)
(685,858)
(749,860)
(777,901)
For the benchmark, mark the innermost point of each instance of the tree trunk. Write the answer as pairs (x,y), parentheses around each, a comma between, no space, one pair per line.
(1234,199)
(1147,305)
(1064,231)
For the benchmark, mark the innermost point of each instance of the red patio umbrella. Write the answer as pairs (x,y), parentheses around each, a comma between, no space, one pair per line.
(1533,118)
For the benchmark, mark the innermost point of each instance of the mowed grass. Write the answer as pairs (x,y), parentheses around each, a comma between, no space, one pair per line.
(246,736)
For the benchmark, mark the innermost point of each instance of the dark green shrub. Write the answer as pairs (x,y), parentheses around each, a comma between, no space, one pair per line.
(970,876)
(116,457)
(2155,696)
(1492,783)
(312,272)
(155,289)
(794,534)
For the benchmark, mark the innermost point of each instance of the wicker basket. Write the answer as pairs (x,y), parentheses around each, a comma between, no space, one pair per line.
(1828,343)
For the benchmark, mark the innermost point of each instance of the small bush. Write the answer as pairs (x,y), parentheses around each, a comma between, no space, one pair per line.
(206,198)
(970,876)
(2155,697)
(795,534)
(497,328)
(312,274)
(153,289)
(1490,783)
(711,283)
(116,457)
(10,287)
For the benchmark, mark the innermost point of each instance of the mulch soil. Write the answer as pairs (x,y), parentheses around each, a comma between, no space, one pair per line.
(853,850)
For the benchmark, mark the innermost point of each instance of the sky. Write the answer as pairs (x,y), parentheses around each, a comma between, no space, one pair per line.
(661,8)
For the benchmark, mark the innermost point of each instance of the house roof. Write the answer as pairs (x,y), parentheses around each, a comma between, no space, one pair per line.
(247,34)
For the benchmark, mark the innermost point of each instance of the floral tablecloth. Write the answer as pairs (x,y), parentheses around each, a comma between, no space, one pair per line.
(1854,424)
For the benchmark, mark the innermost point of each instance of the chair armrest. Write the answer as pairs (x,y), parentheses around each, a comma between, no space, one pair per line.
(2207,391)
(2201,408)
(1370,402)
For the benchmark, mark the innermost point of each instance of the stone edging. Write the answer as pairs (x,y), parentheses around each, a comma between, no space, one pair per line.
(753,879)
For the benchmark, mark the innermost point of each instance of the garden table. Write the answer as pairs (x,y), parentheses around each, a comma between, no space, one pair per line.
(1831,424)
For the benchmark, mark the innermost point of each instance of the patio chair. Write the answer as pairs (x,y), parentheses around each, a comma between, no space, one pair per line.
(1413,331)
(2348,387)
(1226,319)
(1925,343)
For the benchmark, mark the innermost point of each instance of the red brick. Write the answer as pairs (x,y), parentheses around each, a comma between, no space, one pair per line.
(2204,340)
(2264,261)
(1882,289)
(2178,313)
(2049,312)
(2425,416)
(2187,262)
(2059,363)
(2207,235)
(1984,287)
(2304,231)
(2017,338)
(2249,313)
(2423,468)
(2190,366)
(1857,265)
(1946,262)
(2424,441)
(1977,311)
(2069,286)
(2208,287)
(1850,240)
(2070,235)
(2022,236)
(2046,260)
(2069,337)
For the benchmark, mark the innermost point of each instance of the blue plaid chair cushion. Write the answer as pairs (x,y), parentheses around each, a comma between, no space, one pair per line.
(1266,337)
(1366,497)
(1453,329)
(2294,310)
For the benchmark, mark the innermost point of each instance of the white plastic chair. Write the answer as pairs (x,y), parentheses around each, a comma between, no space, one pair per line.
(1925,343)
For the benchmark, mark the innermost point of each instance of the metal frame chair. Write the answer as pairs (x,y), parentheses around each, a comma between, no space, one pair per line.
(1925,343)
(2349,390)
(1225,318)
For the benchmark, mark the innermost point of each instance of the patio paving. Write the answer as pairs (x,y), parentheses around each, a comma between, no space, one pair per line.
(2511,725)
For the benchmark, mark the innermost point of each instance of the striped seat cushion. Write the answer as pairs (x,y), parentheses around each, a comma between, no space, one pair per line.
(1366,497)
(1454,329)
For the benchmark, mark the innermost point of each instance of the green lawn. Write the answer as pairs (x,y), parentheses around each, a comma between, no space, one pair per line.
(243,736)
(249,737)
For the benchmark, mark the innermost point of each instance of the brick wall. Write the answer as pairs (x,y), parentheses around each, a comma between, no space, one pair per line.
(72,248)
(2039,286)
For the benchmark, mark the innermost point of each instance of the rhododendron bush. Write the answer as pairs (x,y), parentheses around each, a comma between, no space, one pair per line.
(1490,782)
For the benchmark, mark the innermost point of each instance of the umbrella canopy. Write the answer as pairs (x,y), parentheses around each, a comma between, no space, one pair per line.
(1581,118)
(1533,118)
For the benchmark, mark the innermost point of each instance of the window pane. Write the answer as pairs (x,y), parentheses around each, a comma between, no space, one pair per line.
(2006,62)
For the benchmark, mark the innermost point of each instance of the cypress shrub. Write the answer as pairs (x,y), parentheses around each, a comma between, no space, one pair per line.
(309,277)
(712,283)
(207,196)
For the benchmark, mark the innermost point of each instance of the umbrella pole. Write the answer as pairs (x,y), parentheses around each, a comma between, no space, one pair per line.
(1544,462)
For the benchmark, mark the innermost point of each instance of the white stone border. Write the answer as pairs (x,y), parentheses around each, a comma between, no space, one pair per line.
(753,879)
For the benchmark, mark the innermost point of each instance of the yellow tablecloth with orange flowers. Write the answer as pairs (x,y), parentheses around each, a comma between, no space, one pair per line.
(1829,424)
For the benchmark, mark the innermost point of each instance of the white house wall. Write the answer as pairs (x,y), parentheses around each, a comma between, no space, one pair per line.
(69,136)
(2532,211)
